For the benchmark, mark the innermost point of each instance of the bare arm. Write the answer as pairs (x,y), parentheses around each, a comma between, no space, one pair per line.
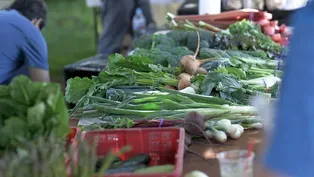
(39,75)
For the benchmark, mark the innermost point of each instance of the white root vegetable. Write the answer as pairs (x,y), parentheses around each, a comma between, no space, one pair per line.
(239,127)
(257,125)
(209,134)
(223,123)
(220,136)
(226,126)
(196,174)
(236,134)
(190,90)
(231,129)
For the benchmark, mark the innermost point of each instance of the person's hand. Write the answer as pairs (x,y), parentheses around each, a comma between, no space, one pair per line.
(37,22)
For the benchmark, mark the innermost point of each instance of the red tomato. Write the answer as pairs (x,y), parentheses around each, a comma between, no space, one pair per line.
(276,37)
(268,30)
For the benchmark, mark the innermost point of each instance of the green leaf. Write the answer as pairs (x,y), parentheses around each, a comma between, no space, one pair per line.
(5,91)
(63,118)
(19,90)
(76,88)
(224,85)
(13,132)
(35,116)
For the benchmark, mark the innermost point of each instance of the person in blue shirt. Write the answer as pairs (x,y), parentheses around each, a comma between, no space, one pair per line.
(23,50)
(291,147)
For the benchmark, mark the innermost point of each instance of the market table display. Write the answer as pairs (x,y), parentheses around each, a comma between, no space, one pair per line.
(196,81)
(197,77)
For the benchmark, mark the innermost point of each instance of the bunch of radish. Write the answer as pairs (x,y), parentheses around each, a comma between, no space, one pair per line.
(278,34)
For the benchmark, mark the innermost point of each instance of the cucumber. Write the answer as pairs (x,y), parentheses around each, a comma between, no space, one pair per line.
(156,169)
(100,161)
(136,160)
(126,169)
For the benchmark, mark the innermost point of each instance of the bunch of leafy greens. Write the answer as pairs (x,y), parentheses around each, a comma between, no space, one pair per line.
(242,65)
(245,35)
(221,84)
(133,70)
(170,48)
(29,110)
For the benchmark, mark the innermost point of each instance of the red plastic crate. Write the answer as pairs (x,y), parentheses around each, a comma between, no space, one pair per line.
(164,145)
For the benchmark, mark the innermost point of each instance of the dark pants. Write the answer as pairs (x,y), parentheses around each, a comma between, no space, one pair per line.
(117,18)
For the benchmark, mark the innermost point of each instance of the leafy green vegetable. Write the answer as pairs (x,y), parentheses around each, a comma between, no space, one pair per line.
(245,35)
(223,85)
(144,42)
(76,88)
(146,74)
(31,109)
(165,55)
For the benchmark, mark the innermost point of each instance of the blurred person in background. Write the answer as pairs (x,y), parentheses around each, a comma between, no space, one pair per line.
(290,151)
(23,49)
(117,16)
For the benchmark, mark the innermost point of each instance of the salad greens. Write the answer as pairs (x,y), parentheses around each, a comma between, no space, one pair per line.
(29,110)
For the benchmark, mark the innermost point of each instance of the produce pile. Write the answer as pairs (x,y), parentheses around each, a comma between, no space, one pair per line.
(169,76)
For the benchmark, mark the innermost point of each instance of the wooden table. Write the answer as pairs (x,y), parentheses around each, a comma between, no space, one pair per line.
(211,168)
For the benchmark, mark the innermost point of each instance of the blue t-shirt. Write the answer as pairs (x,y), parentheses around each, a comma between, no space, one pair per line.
(21,46)
(291,149)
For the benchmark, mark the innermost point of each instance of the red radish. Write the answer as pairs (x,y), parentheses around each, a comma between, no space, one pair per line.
(284,41)
(266,15)
(276,37)
(282,28)
(263,22)
(274,23)
(269,30)
(284,31)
